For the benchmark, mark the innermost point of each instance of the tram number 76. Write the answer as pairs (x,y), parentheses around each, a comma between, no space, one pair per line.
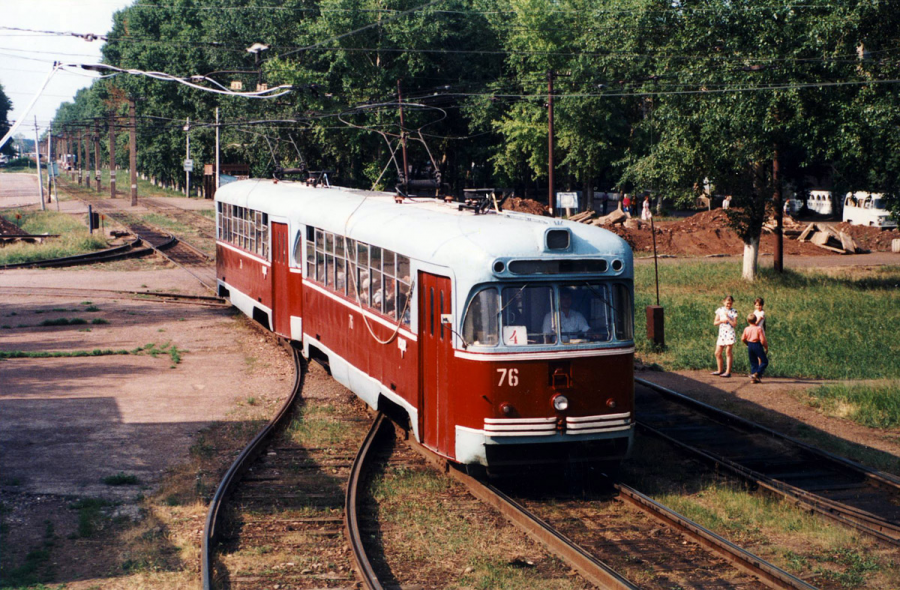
(509,376)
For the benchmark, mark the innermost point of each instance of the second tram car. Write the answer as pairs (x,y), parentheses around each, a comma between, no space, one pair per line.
(506,338)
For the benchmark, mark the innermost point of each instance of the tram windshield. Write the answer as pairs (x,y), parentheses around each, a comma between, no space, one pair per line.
(544,314)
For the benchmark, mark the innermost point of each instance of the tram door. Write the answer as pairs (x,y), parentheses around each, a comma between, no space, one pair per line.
(435,354)
(281,310)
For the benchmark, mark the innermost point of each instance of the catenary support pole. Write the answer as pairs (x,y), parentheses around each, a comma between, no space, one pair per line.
(551,199)
(112,154)
(97,156)
(37,157)
(87,157)
(218,171)
(779,214)
(81,156)
(50,163)
(132,148)
(187,156)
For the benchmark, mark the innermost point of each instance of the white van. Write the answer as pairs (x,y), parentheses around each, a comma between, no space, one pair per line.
(819,202)
(862,208)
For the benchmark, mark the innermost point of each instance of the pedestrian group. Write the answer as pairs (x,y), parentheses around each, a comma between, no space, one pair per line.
(754,336)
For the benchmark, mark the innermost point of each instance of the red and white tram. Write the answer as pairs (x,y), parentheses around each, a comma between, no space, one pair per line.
(505,337)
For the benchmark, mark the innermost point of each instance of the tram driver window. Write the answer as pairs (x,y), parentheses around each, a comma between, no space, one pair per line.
(590,311)
(481,327)
(529,307)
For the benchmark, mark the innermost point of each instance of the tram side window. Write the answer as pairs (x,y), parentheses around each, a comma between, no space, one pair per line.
(481,326)
(377,278)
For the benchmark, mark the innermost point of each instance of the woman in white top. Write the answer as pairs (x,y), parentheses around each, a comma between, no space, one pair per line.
(726,319)
(645,212)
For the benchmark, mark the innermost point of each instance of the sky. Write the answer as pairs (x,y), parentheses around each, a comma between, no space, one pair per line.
(26,58)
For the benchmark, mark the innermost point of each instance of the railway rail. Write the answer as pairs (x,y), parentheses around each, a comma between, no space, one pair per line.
(180,252)
(833,486)
(178,298)
(715,565)
(285,495)
(205,226)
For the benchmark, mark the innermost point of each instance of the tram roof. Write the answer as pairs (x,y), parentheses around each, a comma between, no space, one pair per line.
(425,229)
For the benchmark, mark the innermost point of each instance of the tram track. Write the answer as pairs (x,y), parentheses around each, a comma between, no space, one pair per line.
(178,251)
(281,495)
(599,553)
(815,480)
(78,293)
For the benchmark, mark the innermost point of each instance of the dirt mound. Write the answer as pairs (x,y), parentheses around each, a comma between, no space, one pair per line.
(525,206)
(9,229)
(870,238)
(707,234)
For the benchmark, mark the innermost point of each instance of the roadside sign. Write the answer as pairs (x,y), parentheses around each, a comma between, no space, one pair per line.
(567,200)
(188,165)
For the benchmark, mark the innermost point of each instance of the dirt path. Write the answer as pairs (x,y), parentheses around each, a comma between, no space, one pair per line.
(18,190)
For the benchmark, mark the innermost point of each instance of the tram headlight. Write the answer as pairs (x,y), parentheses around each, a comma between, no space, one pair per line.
(560,403)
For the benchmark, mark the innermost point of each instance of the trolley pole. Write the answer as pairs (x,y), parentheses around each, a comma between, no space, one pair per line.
(550,75)
(132,147)
(112,154)
(37,157)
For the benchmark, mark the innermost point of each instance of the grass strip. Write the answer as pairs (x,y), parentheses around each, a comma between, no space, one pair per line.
(840,324)
(875,406)
(73,239)
(43,354)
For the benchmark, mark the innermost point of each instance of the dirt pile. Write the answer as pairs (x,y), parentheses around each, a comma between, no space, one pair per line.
(525,206)
(9,229)
(707,234)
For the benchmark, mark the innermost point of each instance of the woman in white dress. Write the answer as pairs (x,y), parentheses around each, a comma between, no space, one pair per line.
(726,319)
(645,212)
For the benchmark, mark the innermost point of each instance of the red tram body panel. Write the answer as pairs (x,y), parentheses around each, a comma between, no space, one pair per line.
(506,338)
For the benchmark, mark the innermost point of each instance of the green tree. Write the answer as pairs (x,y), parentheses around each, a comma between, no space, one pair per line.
(5,107)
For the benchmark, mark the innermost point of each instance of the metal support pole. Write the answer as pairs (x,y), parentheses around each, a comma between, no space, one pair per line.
(97,156)
(112,155)
(132,147)
(187,173)
(218,172)
(81,157)
(87,159)
(37,156)
(779,214)
(50,163)
(550,76)
(403,138)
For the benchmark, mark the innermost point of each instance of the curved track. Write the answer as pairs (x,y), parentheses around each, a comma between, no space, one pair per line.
(833,486)
(132,249)
(716,565)
(240,466)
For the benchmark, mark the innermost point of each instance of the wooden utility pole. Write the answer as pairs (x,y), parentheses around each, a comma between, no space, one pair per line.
(132,147)
(81,156)
(97,155)
(37,158)
(779,214)
(550,76)
(87,157)
(403,139)
(112,154)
